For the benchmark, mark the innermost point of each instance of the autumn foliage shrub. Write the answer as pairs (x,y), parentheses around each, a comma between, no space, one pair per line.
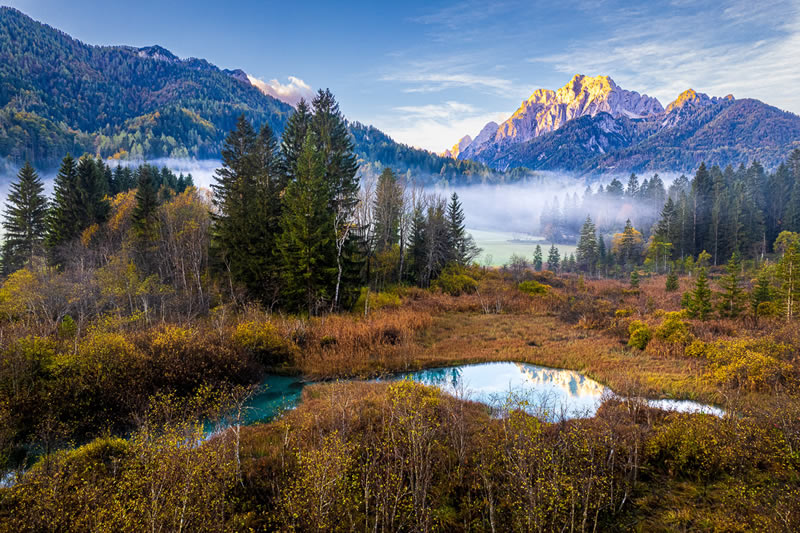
(263,341)
(746,364)
(640,334)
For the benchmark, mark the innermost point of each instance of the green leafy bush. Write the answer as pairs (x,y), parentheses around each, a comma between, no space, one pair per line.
(455,284)
(640,334)
(534,288)
(263,341)
(376,300)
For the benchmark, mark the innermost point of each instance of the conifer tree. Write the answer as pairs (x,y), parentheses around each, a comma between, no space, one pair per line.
(144,218)
(587,246)
(700,301)
(264,209)
(92,188)
(63,224)
(788,244)
(634,280)
(553,258)
(340,164)
(462,247)
(305,242)
(233,191)
(672,282)
(537,258)
(762,293)
(24,220)
(417,245)
(388,205)
(732,300)
(702,187)
(294,135)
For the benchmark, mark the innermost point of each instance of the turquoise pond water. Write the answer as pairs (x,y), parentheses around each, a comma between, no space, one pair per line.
(549,393)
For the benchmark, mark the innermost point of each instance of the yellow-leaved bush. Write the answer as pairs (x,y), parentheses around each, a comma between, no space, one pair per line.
(263,341)
(748,364)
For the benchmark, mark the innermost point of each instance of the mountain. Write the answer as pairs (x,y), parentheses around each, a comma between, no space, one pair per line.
(592,125)
(59,95)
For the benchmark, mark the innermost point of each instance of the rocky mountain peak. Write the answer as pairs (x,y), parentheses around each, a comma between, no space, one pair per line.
(547,110)
(689,97)
(458,148)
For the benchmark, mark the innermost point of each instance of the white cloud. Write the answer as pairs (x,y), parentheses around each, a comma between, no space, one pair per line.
(703,51)
(436,127)
(291,92)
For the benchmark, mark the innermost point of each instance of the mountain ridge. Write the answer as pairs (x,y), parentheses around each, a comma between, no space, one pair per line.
(626,131)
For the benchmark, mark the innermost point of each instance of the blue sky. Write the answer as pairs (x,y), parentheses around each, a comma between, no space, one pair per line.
(427,73)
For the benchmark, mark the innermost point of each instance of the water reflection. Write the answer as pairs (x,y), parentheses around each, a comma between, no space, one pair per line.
(549,393)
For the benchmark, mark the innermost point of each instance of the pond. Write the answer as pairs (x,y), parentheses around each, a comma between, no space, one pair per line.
(549,393)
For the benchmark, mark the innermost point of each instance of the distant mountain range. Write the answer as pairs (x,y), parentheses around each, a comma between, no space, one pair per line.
(592,125)
(59,95)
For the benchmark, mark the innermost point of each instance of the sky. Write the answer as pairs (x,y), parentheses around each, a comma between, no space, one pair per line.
(428,73)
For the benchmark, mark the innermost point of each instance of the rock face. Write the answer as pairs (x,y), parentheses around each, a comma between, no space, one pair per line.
(546,111)
(459,147)
(593,125)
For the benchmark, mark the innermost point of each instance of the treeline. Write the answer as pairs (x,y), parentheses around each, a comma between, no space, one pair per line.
(286,225)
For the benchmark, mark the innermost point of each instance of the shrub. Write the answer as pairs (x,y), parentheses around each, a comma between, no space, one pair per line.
(748,364)
(455,284)
(674,330)
(377,300)
(623,313)
(640,334)
(533,288)
(263,341)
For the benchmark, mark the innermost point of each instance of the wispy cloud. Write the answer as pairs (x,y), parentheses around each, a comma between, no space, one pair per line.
(436,127)
(424,81)
(291,92)
(706,49)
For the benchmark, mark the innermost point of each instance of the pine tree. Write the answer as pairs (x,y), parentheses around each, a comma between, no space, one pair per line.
(537,258)
(702,192)
(233,190)
(144,218)
(553,258)
(732,300)
(92,188)
(672,282)
(788,244)
(294,135)
(24,220)
(632,191)
(417,245)
(587,246)
(305,243)
(634,280)
(462,247)
(762,293)
(264,214)
(340,164)
(63,224)
(700,302)
(387,207)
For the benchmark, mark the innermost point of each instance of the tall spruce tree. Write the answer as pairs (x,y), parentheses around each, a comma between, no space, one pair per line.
(24,220)
(144,218)
(462,246)
(340,164)
(702,192)
(553,258)
(233,189)
(63,223)
(305,241)
(761,294)
(264,210)
(587,246)
(93,206)
(537,258)
(387,208)
(700,299)
(731,302)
